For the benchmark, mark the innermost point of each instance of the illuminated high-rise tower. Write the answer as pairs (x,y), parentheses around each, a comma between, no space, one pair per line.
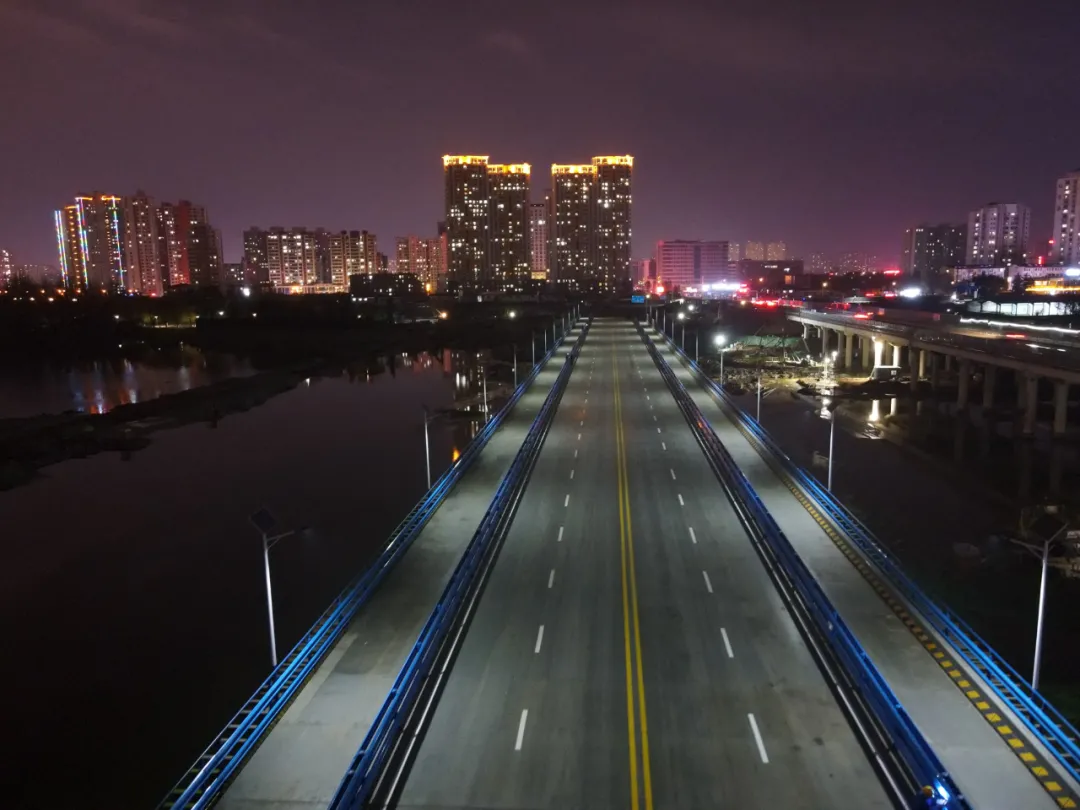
(1066,233)
(90,241)
(573,189)
(467,221)
(508,234)
(539,217)
(611,220)
(141,245)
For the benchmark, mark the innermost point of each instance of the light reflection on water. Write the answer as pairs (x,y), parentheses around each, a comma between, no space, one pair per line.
(159,550)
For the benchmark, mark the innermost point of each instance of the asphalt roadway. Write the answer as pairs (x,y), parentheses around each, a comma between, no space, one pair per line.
(629,650)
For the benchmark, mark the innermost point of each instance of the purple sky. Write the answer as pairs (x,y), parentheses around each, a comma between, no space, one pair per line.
(832,130)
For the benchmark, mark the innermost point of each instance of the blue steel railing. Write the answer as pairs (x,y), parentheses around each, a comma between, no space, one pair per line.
(205,780)
(370,761)
(908,741)
(1042,719)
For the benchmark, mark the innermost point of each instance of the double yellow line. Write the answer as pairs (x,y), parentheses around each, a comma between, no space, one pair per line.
(635,677)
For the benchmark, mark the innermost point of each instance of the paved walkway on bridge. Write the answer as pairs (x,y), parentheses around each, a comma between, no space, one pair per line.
(302,761)
(984,767)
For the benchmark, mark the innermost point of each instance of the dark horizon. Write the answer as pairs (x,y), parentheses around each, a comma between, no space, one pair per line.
(832,132)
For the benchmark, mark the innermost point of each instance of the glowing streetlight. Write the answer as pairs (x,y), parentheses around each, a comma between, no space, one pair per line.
(720,340)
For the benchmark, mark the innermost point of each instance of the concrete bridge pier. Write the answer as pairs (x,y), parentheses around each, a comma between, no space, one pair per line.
(989,378)
(824,343)
(896,354)
(935,371)
(866,352)
(1030,394)
(964,382)
(1061,406)
(849,349)
(913,365)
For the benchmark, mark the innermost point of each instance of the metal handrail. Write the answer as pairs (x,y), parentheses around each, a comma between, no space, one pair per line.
(366,769)
(212,771)
(913,748)
(1041,717)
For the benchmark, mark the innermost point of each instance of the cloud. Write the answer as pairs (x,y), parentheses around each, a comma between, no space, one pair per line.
(510,43)
(25,21)
(134,15)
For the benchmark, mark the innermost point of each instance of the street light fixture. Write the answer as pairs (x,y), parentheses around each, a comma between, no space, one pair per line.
(720,340)
(828,411)
(271,532)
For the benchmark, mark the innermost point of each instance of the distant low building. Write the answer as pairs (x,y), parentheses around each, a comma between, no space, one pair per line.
(692,263)
(374,285)
(773,275)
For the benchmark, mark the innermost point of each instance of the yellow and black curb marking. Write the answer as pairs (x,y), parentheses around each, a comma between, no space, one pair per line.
(1031,757)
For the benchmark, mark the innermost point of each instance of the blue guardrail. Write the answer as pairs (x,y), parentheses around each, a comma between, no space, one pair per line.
(370,760)
(1046,724)
(208,776)
(909,743)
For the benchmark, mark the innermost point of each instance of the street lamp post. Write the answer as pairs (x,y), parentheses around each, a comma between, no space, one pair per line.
(720,340)
(515,365)
(266,524)
(697,356)
(532,334)
(1037,666)
(483,378)
(759,395)
(427,446)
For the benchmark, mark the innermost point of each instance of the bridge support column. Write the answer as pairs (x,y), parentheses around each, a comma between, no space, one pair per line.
(849,349)
(824,343)
(989,378)
(1061,406)
(935,371)
(922,363)
(948,362)
(1030,393)
(896,354)
(805,331)
(913,367)
(866,352)
(879,351)
(964,380)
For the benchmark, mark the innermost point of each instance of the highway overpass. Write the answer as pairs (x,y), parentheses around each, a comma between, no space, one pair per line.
(631,640)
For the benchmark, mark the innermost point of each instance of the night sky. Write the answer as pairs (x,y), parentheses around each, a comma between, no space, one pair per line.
(832,130)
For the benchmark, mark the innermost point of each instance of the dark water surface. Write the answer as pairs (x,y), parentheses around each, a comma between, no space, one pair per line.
(131,592)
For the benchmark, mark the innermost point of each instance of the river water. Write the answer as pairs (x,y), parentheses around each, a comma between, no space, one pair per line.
(131,591)
(100,386)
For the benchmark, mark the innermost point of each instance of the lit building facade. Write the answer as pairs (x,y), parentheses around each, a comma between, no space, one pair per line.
(141,245)
(614,202)
(175,222)
(775,252)
(928,250)
(755,251)
(573,194)
(422,258)
(1066,232)
(686,263)
(256,268)
(7,269)
(998,234)
(346,256)
(203,255)
(90,243)
(290,258)
(467,221)
(539,234)
(369,255)
(508,234)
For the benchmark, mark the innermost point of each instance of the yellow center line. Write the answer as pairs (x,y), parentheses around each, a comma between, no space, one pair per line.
(630,608)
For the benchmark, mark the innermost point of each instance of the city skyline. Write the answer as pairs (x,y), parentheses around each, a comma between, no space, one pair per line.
(877,148)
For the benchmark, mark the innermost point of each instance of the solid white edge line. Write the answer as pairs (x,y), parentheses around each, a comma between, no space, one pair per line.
(566,501)
(727,643)
(551,578)
(757,738)
(560,535)
(693,537)
(708,582)
(681,501)
(539,639)
(521,729)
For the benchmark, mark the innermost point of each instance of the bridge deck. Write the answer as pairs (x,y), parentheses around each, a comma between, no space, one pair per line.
(981,763)
(302,760)
(556,718)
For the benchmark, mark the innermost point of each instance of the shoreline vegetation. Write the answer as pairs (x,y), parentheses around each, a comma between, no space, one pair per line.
(283,356)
